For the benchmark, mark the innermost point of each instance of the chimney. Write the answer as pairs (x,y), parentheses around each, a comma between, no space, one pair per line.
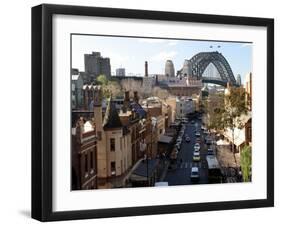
(156,80)
(146,69)
(136,97)
(126,101)
(127,96)
(97,96)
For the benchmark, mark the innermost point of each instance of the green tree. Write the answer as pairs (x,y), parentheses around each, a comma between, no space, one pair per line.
(213,107)
(225,111)
(109,86)
(102,80)
(235,106)
(112,88)
(246,163)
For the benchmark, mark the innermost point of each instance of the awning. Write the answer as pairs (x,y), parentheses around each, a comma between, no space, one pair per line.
(239,136)
(222,142)
(165,139)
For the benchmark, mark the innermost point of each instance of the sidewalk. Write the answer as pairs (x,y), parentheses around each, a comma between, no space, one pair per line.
(227,162)
(127,176)
(226,158)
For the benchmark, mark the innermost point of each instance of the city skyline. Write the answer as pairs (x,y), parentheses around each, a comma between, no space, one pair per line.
(130,53)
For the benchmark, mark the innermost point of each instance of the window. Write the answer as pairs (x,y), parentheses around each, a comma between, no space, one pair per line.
(113,168)
(112,144)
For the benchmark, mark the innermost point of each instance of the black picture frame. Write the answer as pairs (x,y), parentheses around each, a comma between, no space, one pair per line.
(42,111)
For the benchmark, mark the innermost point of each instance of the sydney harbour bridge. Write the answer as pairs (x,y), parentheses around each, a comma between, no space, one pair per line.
(197,65)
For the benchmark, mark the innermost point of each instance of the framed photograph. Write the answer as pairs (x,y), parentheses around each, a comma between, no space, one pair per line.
(145,112)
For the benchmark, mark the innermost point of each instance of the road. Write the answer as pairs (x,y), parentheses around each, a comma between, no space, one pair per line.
(181,174)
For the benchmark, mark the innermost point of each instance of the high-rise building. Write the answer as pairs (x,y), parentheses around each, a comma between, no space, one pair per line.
(96,65)
(238,80)
(120,72)
(169,69)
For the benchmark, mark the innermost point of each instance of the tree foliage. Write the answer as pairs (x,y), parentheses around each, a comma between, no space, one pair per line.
(235,106)
(102,80)
(224,111)
(246,163)
(109,87)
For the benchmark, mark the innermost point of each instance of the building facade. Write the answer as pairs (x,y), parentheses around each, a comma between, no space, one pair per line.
(84,155)
(180,86)
(184,106)
(77,91)
(120,72)
(113,142)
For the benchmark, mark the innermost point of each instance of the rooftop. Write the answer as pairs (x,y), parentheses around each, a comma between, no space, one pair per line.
(111,118)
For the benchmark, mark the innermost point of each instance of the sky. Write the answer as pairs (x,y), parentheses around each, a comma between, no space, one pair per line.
(131,53)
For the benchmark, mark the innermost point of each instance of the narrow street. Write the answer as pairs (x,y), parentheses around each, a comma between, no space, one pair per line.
(181,174)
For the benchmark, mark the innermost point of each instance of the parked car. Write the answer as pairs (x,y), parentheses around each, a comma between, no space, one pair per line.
(197,147)
(178,146)
(208,141)
(194,175)
(210,151)
(196,156)
(197,133)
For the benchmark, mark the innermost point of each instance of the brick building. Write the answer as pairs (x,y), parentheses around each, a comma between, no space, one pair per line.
(84,155)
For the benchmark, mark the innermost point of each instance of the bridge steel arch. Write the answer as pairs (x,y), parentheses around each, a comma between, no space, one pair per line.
(200,61)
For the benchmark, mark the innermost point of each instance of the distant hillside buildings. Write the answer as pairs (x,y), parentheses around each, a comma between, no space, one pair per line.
(120,72)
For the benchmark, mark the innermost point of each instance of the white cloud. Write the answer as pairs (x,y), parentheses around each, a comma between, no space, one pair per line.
(173,42)
(163,56)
